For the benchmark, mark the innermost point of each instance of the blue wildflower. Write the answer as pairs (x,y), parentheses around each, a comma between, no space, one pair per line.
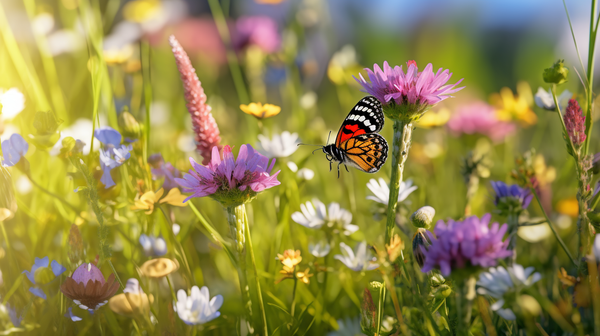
(40,274)
(70,315)
(14,149)
(16,317)
(113,154)
(511,198)
(153,246)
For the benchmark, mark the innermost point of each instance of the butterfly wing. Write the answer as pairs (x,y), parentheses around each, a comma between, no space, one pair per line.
(365,117)
(366,152)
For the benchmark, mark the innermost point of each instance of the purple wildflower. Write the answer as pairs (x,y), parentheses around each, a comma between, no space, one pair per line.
(160,168)
(466,243)
(480,118)
(418,90)
(260,31)
(228,180)
(511,198)
(575,123)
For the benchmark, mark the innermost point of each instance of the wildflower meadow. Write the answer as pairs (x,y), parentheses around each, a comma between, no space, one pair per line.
(299,167)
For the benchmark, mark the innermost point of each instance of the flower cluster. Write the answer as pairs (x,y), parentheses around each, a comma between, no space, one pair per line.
(470,242)
(160,168)
(575,123)
(230,181)
(407,95)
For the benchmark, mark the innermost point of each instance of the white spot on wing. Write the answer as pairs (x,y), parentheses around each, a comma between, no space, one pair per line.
(373,127)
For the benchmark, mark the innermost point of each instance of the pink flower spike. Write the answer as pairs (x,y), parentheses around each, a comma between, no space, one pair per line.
(230,181)
(205,126)
(575,123)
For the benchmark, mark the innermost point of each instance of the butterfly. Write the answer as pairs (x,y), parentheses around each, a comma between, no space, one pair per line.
(357,143)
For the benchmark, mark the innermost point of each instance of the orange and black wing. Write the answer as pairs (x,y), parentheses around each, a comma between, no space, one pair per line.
(366,152)
(366,117)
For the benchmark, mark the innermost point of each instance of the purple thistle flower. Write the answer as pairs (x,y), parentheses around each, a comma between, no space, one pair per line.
(511,198)
(469,242)
(228,180)
(575,123)
(417,90)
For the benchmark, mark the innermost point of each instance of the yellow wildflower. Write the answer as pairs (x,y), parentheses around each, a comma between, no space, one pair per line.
(150,198)
(290,258)
(174,197)
(141,10)
(131,304)
(568,207)
(158,268)
(515,107)
(566,279)
(304,276)
(394,249)
(260,111)
(545,175)
(434,118)
(118,55)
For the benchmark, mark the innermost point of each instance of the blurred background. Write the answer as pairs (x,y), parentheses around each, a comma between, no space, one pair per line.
(73,56)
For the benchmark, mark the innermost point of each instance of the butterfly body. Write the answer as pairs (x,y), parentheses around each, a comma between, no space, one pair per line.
(358,143)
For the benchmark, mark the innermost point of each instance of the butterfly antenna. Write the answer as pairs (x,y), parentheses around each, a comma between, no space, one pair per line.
(303,144)
(316,150)
(328,137)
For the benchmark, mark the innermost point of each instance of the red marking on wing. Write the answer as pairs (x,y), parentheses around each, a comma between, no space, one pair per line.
(348,131)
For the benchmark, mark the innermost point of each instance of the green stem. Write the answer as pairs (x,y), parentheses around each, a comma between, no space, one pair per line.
(293,308)
(465,294)
(513,227)
(236,218)
(261,304)
(69,205)
(400,147)
(560,241)
(560,117)
(590,75)
(232,60)
(5,236)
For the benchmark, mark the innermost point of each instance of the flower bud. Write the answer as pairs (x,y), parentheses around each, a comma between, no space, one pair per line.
(46,125)
(421,240)
(368,313)
(423,217)
(128,125)
(557,74)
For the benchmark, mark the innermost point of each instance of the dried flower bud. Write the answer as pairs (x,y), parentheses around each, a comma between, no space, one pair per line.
(423,217)
(557,74)
(421,240)
(368,312)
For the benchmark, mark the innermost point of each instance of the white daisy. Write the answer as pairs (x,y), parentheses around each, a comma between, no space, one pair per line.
(359,260)
(280,146)
(381,190)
